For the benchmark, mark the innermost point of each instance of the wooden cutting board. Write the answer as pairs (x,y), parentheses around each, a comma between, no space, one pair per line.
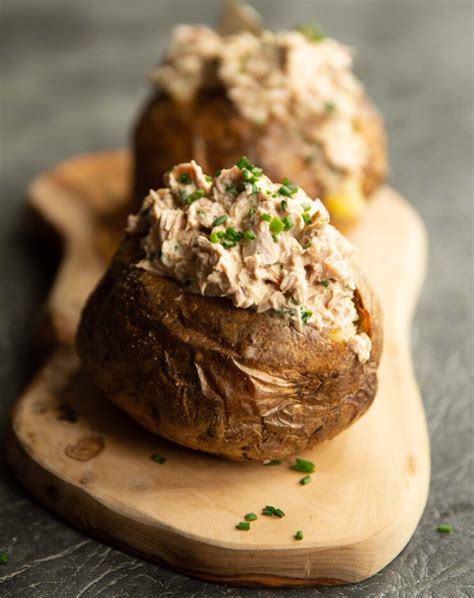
(90,464)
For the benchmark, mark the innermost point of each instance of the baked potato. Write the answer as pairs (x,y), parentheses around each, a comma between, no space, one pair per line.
(163,337)
(325,134)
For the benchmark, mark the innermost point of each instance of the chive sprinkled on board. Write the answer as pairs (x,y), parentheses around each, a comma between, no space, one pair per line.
(299,535)
(304,466)
(273,462)
(445,528)
(220,220)
(269,511)
(305,480)
(243,525)
(158,459)
(250,517)
(3,558)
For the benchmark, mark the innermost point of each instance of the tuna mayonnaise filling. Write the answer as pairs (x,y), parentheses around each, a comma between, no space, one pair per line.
(266,246)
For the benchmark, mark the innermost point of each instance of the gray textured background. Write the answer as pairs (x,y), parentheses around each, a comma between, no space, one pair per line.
(72,80)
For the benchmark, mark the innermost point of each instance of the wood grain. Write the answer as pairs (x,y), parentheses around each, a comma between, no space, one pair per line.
(90,464)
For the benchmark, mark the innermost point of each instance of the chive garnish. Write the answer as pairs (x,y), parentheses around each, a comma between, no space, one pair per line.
(284,205)
(305,480)
(287,222)
(244,162)
(3,558)
(304,466)
(220,220)
(218,173)
(249,235)
(311,31)
(276,225)
(299,535)
(329,107)
(324,282)
(273,462)
(252,212)
(306,217)
(266,217)
(233,235)
(232,190)
(445,528)
(269,511)
(185,178)
(214,238)
(208,178)
(158,459)
(247,175)
(243,525)
(306,315)
(250,517)
(189,199)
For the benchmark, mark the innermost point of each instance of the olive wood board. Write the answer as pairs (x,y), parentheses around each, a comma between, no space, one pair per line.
(90,464)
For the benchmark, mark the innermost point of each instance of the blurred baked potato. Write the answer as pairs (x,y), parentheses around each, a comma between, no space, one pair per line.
(289,101)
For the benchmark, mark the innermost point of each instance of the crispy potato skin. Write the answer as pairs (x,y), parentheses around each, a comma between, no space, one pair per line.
(209,376)
(211,131)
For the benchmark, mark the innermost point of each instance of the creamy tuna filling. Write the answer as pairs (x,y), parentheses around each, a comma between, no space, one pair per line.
(302,79)
(265,246)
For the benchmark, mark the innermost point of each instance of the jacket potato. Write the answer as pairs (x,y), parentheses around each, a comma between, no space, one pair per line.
(295,109)
(165,339)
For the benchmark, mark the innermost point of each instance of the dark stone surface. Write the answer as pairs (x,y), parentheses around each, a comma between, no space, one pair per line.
(73,75)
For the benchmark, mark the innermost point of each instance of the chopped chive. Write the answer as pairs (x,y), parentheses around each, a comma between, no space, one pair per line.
(273,462)
(252,212)
(218,173)
(214,238)
(220,220)
(189,199)
(251,517)
(185,178)
(158,459)
(243,525)
(287,222)
(244,162)
(3,558)
(329,107)
(247,175)
(220,234)
(208,178)
(266,217)
(299,535)
(306,207)
(305,480)
(255,188)
(228,243)
(233,235)
(276,225)
(269,511)
(284,205)
(445,528)
(232,189)
(304,466)
(249,235)
(324,282)
(311,31)
(306,315)
(306,218)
